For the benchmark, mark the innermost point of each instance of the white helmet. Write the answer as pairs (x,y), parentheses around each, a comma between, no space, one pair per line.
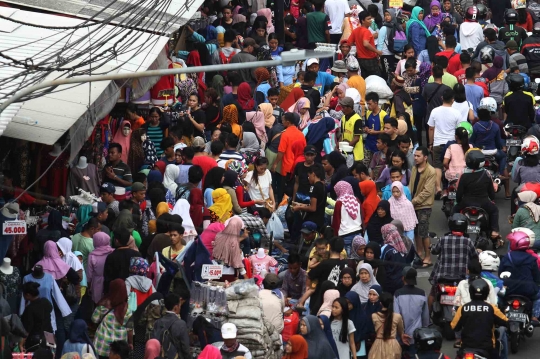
(489,260)
(530,146)
(488,103)
(529,233)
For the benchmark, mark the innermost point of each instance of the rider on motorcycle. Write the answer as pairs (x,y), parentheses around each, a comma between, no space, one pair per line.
(490,262)
(525,275)
(475,188)
(518,104)
(454,251)
(511,31)
(487,136)
(454,157)
(531,50)
(428,343)
(477,320)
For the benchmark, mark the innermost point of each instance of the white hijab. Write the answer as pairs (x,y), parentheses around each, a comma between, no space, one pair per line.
(169,179)
(65,245)
(181,208)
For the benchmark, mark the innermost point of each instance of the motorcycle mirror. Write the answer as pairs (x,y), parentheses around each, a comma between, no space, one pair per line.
(505,275)
(537,80)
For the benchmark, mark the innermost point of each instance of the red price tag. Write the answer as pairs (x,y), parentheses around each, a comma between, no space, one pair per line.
(14,228)
(210,271)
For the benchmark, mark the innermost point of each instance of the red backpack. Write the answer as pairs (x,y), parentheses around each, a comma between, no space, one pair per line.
(225,60)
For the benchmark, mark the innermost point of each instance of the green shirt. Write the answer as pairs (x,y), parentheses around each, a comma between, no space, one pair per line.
(84,245)
(317,24)
(447,79)
(523,218)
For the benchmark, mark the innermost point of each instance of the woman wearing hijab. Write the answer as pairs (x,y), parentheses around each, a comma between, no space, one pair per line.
(212,181)
(403,209)
(230,116)
(261,92)
(227,248)
(217,84)
(318,133)
(183,208)
(419,103)
(267,13)
(355,315)
(96,264)
(296,94)
(435,18)
(367,279)
(169,180)
(318,344)
(328,299)
(153,349)
(296,348)
(357,248)
(381,217)
(53,231)
(235,190)
(347,279)
(336,160)
(393,257)
(301,107)
(528,215)
(123,138)
(251,149)
(417,32)
(347,220)
(112,315)
(160,166)
(78,340)
(65,245)
(194,59)
(371,200)
(372,256)
(245,97)
(208,236)
(390,25)
(268,112)
(366,329)
(494,76)
(138,282)
(209,352)
(221,209)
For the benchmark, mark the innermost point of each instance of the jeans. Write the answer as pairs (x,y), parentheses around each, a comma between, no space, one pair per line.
(504,342)
(536,306)
(347,239)
(500,156)
(409,234)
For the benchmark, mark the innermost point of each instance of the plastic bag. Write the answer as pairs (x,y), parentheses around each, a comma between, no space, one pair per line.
(275,226)
(132,301)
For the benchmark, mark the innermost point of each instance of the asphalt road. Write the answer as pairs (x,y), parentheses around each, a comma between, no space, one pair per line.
(438,225)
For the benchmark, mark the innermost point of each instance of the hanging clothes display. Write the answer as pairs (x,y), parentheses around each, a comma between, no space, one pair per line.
(55,180)
(85,178)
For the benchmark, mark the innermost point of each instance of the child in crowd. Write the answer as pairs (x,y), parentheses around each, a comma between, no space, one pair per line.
(343,329)
(378,161)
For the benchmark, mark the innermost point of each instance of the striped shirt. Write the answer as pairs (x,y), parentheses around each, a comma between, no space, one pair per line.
(155,134)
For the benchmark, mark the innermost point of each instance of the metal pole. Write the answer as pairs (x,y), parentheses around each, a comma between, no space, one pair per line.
(288,58)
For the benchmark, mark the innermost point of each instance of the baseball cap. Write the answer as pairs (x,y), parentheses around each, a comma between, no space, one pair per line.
(248,41)
(108,188)
(311,61)
(271,279)
(511,45)
(409,273)
(228,331)
(310,149)
(347,102)
(308,227)
(99,207)
(137,186)
(198,142)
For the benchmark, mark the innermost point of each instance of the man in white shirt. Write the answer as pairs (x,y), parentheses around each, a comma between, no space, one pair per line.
(336,11)
(442,123)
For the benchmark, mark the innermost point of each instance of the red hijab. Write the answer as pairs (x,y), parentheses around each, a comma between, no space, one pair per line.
(245,97)
(161,166)
(296,94)
(117,299)
(194,59)
(371,200)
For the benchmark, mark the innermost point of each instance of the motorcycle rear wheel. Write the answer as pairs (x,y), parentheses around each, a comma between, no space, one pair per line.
(514,342)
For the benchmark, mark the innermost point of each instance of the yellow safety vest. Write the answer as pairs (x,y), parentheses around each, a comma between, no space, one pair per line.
(347,130)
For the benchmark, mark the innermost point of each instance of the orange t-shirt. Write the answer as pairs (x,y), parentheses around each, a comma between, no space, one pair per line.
(288,137)
(358,82)
(137,124)
(357,37)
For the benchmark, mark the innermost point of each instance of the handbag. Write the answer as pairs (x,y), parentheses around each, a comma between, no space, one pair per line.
(268,204)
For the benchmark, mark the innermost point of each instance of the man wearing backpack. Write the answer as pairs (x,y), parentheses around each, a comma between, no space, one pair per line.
(224,54)
(490,36)
(171,331)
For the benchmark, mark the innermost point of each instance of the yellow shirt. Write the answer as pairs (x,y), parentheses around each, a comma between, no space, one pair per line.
(359,83)
(347,130)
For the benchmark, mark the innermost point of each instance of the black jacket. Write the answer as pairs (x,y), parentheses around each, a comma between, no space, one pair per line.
(476,320)
(531,50)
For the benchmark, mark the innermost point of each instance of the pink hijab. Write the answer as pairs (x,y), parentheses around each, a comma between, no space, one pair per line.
(209,235)
(153,349)
(258,120)
(210,352)
(52,263)
(124,141)
(300,104)
(267,13)
(102,244)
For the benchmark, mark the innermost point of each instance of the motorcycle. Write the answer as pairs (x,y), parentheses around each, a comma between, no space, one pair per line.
(519,313)
(478,226)
(469,353)
(514,138)
(449,197)
(443,312)
(492,167)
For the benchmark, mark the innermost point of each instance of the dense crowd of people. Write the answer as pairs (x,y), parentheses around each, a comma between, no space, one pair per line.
(315,181)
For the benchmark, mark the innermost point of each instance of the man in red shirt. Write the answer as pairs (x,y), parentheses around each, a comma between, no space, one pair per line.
(454,62)
(465,60)
(366,51)
(10,193)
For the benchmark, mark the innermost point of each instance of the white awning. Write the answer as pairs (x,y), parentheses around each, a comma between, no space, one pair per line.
(45,119)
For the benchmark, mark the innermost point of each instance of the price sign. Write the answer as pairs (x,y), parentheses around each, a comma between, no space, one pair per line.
(14,227)
(395,3)
(211,271)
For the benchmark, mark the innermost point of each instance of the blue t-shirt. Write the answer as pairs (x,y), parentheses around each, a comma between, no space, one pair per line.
(323,80)
(474,94)
(373,122)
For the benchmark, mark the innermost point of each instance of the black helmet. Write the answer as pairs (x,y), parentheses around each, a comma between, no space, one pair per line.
(479,289)
(482,11)
(511,16)
(457,223)
(487,54)
(475,159)
(427,339)
(515,82)
(536,28)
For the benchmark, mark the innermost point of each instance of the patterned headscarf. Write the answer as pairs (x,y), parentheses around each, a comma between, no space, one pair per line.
(424,74)
(237,166)
(358,241)
(230,114)
(262,74)
(345,194)
(392,237)
(138,266)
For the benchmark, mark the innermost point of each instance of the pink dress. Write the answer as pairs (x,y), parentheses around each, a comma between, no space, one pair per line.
(457,164)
